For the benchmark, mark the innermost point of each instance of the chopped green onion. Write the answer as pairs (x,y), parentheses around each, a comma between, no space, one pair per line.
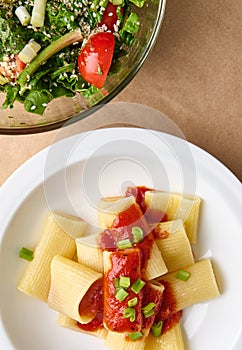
(157,329)
(133,302)
(124,282)
(148,307)
(116,283)
(47,52)
(135,336)
(138,234)
(130,313)
(137,286)
(124,244)
(22,13)
(121,294)
(183,275)
(26,254)
(27,54)
(38,13)
(148,310)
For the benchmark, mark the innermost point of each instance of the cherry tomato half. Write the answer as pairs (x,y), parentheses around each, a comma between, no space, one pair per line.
(110,16)
(95,58)
(19,64)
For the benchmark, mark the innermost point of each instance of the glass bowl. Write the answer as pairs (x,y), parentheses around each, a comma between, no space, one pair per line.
(17,121)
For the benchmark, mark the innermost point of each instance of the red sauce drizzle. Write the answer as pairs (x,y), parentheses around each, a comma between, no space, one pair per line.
(123,264)
(167,312)
(151,215)
(92,304)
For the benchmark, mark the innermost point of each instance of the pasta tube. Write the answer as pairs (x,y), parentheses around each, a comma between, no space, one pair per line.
(58,237)
(67,322)
(177,206)
(171,340)
(129,225)
(70,281)
(122,269)
(174,245)
(200,286)
(90,256)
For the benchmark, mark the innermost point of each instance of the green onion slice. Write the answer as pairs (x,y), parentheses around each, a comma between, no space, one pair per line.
(124,282)
(121,294)
(148,310)
(135,336)
(130,313)
(137,286)
(26,254)
(157,329)
(183,275)
(124,244)
(133,302)
(138,234)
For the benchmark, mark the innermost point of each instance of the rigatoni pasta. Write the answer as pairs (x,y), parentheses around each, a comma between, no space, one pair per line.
(58,237)
(175,248)
(177,206)
(70,282)
(200,286)
(129,283)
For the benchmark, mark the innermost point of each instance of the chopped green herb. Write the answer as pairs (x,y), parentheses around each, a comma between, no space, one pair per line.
(138,234)
(124,244)
(137,286)
(121,294)
(132,23)
(135,336)
(133,302)
(183,275)
(157,329)
(148,310)
(130,313)
(116,283)
(26,254)
(124,282)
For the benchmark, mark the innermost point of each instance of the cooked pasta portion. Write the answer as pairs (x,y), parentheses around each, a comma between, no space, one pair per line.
(200,285)
(172,240)
(70,282)
(129,283)
(58,237)
(177,206)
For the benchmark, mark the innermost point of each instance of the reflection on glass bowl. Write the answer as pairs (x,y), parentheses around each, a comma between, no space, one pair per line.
(17,121)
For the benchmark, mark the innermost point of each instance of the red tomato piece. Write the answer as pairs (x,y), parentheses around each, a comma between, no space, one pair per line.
(20,65)
(95,58)
(110,16)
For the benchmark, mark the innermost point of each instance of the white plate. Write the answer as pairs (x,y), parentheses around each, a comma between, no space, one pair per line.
(71,175)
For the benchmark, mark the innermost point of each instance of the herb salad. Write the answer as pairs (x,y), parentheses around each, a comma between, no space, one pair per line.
(55,48)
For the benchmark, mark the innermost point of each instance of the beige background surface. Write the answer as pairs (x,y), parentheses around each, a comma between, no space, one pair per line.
(193,76)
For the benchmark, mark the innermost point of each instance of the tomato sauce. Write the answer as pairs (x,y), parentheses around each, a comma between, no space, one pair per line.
(92,305)
(151,295)
(95,324)
(124,263)
(167,312)
(151,215)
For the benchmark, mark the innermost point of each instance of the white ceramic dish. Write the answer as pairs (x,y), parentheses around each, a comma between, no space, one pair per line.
(71,175)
